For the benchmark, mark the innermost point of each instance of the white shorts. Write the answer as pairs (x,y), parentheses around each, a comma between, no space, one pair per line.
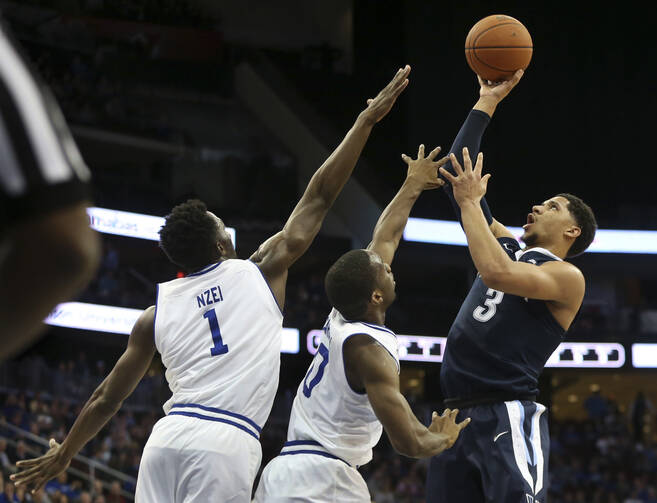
(312,478)
(187,459)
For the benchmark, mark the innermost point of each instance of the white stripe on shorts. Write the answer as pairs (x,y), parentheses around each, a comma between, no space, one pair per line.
(536,446)
(516,414)
(30,103)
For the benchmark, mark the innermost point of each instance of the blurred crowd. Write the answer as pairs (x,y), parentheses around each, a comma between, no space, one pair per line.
(604,459)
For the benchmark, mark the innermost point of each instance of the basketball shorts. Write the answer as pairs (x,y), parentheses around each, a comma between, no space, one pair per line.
(187,459)
(501,456)
(41,169)
(315,476)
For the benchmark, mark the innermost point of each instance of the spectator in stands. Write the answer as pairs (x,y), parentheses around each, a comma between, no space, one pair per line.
(5,465)
(115,493)
(9,493)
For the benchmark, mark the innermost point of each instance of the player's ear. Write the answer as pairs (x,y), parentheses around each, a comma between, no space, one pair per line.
(221,248)
(377,297)
(573,232)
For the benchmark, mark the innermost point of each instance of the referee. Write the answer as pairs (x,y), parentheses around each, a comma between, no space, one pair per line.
(48,252)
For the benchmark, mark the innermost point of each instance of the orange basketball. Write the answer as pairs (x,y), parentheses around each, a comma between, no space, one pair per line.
(497,46)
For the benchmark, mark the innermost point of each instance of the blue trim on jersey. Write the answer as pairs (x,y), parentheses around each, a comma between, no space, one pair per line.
(301,442)
(206,269)
(267,283)
(218,411)
(372,325)
(157,296)
(318,453)
(216,419)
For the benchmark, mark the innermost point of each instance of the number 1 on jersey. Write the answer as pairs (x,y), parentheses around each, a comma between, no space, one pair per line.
(219,347)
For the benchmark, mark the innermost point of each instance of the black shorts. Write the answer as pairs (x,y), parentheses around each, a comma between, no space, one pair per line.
(41,168)
(502,456)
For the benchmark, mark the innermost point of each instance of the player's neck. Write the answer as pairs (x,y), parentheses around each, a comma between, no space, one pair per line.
(375,317)
(558,249)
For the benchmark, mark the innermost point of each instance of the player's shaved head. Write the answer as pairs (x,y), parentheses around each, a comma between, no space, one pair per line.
(584,219)
(189,236)
(349,283)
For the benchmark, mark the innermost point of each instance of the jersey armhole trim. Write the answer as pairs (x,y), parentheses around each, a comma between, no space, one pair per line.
(157,296)
(268,286)
(344,366)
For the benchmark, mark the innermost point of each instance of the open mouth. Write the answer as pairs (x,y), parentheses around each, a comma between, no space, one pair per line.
(530,220)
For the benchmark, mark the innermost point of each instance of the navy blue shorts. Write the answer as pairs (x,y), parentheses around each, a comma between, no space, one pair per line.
(502,456)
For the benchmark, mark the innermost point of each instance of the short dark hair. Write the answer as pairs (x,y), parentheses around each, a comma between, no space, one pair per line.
(585,220)
(189,236)
(349,283)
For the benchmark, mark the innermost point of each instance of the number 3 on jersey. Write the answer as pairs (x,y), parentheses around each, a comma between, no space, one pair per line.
(323,353)
(219,347)
(484,314)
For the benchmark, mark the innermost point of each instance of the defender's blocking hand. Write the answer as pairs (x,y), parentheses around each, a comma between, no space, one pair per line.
(424,170)
(378,107)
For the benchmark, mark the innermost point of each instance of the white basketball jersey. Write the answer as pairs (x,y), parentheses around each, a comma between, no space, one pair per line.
(326,409)
(219,334)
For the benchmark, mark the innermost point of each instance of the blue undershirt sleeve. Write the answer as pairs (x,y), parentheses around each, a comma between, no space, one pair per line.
(469,136)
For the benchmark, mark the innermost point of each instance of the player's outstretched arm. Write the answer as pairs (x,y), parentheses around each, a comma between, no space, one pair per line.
(102,405)
(554,281)
(471,134)
(278,253)
(369,366)
(422,175)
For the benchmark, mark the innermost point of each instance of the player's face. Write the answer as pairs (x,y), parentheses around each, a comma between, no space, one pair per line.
(385,279)
(547,221)
(223,238)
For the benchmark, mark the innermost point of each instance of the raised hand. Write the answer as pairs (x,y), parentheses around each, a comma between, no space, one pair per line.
(498,90)
(37,472)
(424,170)
(378,107)
(467,183)
(447,425)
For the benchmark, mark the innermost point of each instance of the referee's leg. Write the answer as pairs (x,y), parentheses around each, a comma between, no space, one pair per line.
(47,250)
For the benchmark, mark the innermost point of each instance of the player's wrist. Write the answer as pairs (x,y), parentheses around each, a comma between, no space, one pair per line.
(487,104)
(365,119)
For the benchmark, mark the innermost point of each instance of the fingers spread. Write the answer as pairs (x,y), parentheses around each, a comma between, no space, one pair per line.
(420,152)
(464,423)
(447,174)
(432,155)
(455,164)
(480,164)
(406,159)
(467,162)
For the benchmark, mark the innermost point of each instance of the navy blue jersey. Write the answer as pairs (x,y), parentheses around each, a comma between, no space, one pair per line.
(500,342)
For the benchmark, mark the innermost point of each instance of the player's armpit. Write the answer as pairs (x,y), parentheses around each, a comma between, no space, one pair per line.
(369,365)
(553,281)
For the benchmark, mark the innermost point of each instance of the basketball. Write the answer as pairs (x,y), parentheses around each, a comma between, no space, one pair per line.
(497,46)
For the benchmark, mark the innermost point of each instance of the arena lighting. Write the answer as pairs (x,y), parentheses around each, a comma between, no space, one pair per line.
(569,354)
(132,225)
(446,232)
(644,356)
(119,320)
